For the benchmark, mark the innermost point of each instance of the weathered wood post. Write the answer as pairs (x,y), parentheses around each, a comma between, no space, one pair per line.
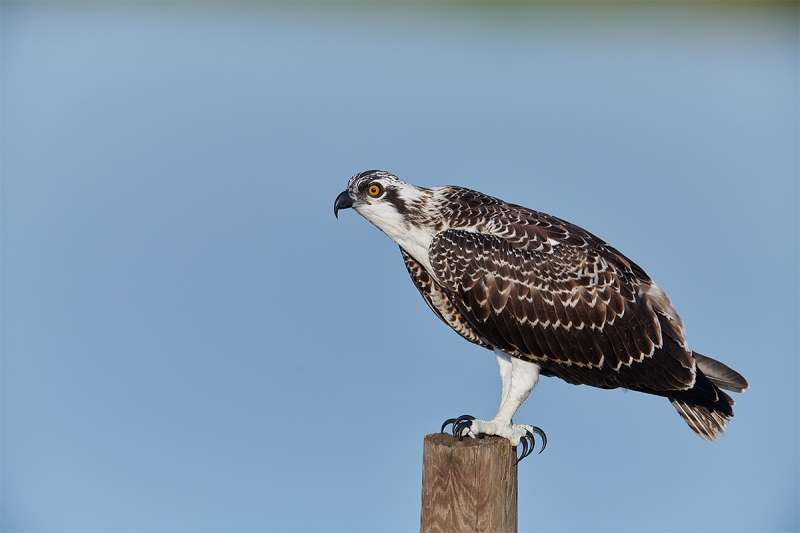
(468,486)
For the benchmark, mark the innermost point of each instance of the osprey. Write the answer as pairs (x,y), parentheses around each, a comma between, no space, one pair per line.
(548,297)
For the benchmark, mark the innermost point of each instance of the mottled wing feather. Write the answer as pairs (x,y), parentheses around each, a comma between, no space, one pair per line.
(573,308)
(438,300)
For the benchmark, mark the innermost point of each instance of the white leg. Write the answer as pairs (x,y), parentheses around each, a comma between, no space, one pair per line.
(504,361)
(518,380)
(517,384)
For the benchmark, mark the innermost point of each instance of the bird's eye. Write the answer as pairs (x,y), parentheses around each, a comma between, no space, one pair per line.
(374,190)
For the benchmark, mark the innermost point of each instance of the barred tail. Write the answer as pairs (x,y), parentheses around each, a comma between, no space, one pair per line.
(705,407)
(707,423)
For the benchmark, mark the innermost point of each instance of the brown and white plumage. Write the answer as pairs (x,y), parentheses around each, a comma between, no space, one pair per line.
(546,292)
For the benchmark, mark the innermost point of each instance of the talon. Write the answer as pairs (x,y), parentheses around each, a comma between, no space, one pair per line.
(539,432)
(525,450)
(529,436)
(462,422)
(529,442)
(459,424)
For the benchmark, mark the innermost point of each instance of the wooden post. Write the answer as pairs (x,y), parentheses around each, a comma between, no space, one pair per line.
(468,486)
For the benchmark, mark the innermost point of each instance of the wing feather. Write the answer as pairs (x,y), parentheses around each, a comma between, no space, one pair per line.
(438,300)
(578,314)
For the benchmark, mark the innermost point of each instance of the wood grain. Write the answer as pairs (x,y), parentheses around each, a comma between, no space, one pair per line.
(468,486)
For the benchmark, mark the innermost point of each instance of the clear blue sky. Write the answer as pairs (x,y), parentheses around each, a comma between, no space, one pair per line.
(192,342)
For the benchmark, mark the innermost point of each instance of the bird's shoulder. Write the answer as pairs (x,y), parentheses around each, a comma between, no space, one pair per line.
(527,231)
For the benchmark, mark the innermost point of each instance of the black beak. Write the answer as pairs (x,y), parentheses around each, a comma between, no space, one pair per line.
(343,201)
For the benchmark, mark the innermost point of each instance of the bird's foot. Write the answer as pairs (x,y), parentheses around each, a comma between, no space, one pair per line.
(517,434)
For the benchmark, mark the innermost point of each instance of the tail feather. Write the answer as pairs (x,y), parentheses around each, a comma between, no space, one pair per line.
(707,423)
(720,374)
(705,407)
(726,397)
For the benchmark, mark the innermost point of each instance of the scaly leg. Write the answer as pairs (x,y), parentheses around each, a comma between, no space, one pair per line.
(518,379)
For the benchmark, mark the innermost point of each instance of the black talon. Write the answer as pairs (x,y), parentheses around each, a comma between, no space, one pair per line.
(447,423)
(525,450)
(529,443)
(459,424)
(463,418)
(462,422)
(539,432)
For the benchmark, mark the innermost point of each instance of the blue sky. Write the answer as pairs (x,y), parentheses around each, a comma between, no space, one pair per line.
(191,341)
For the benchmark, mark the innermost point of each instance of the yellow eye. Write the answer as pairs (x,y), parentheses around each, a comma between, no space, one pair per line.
(374,190)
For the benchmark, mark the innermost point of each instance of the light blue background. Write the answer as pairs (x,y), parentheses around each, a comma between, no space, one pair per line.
(192,342)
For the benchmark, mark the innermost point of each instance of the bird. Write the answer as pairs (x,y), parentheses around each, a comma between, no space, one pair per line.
(547,297)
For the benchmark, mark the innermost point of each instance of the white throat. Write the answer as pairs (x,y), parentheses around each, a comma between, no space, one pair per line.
(414,239)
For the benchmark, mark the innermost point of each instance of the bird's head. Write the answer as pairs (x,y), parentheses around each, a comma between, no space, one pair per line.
(372,192)
(397,208)
(380,196)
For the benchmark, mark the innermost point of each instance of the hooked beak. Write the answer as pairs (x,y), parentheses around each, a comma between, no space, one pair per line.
(344,201)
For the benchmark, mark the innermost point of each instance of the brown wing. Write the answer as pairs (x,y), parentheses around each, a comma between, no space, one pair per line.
(438,300)
(571,307)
